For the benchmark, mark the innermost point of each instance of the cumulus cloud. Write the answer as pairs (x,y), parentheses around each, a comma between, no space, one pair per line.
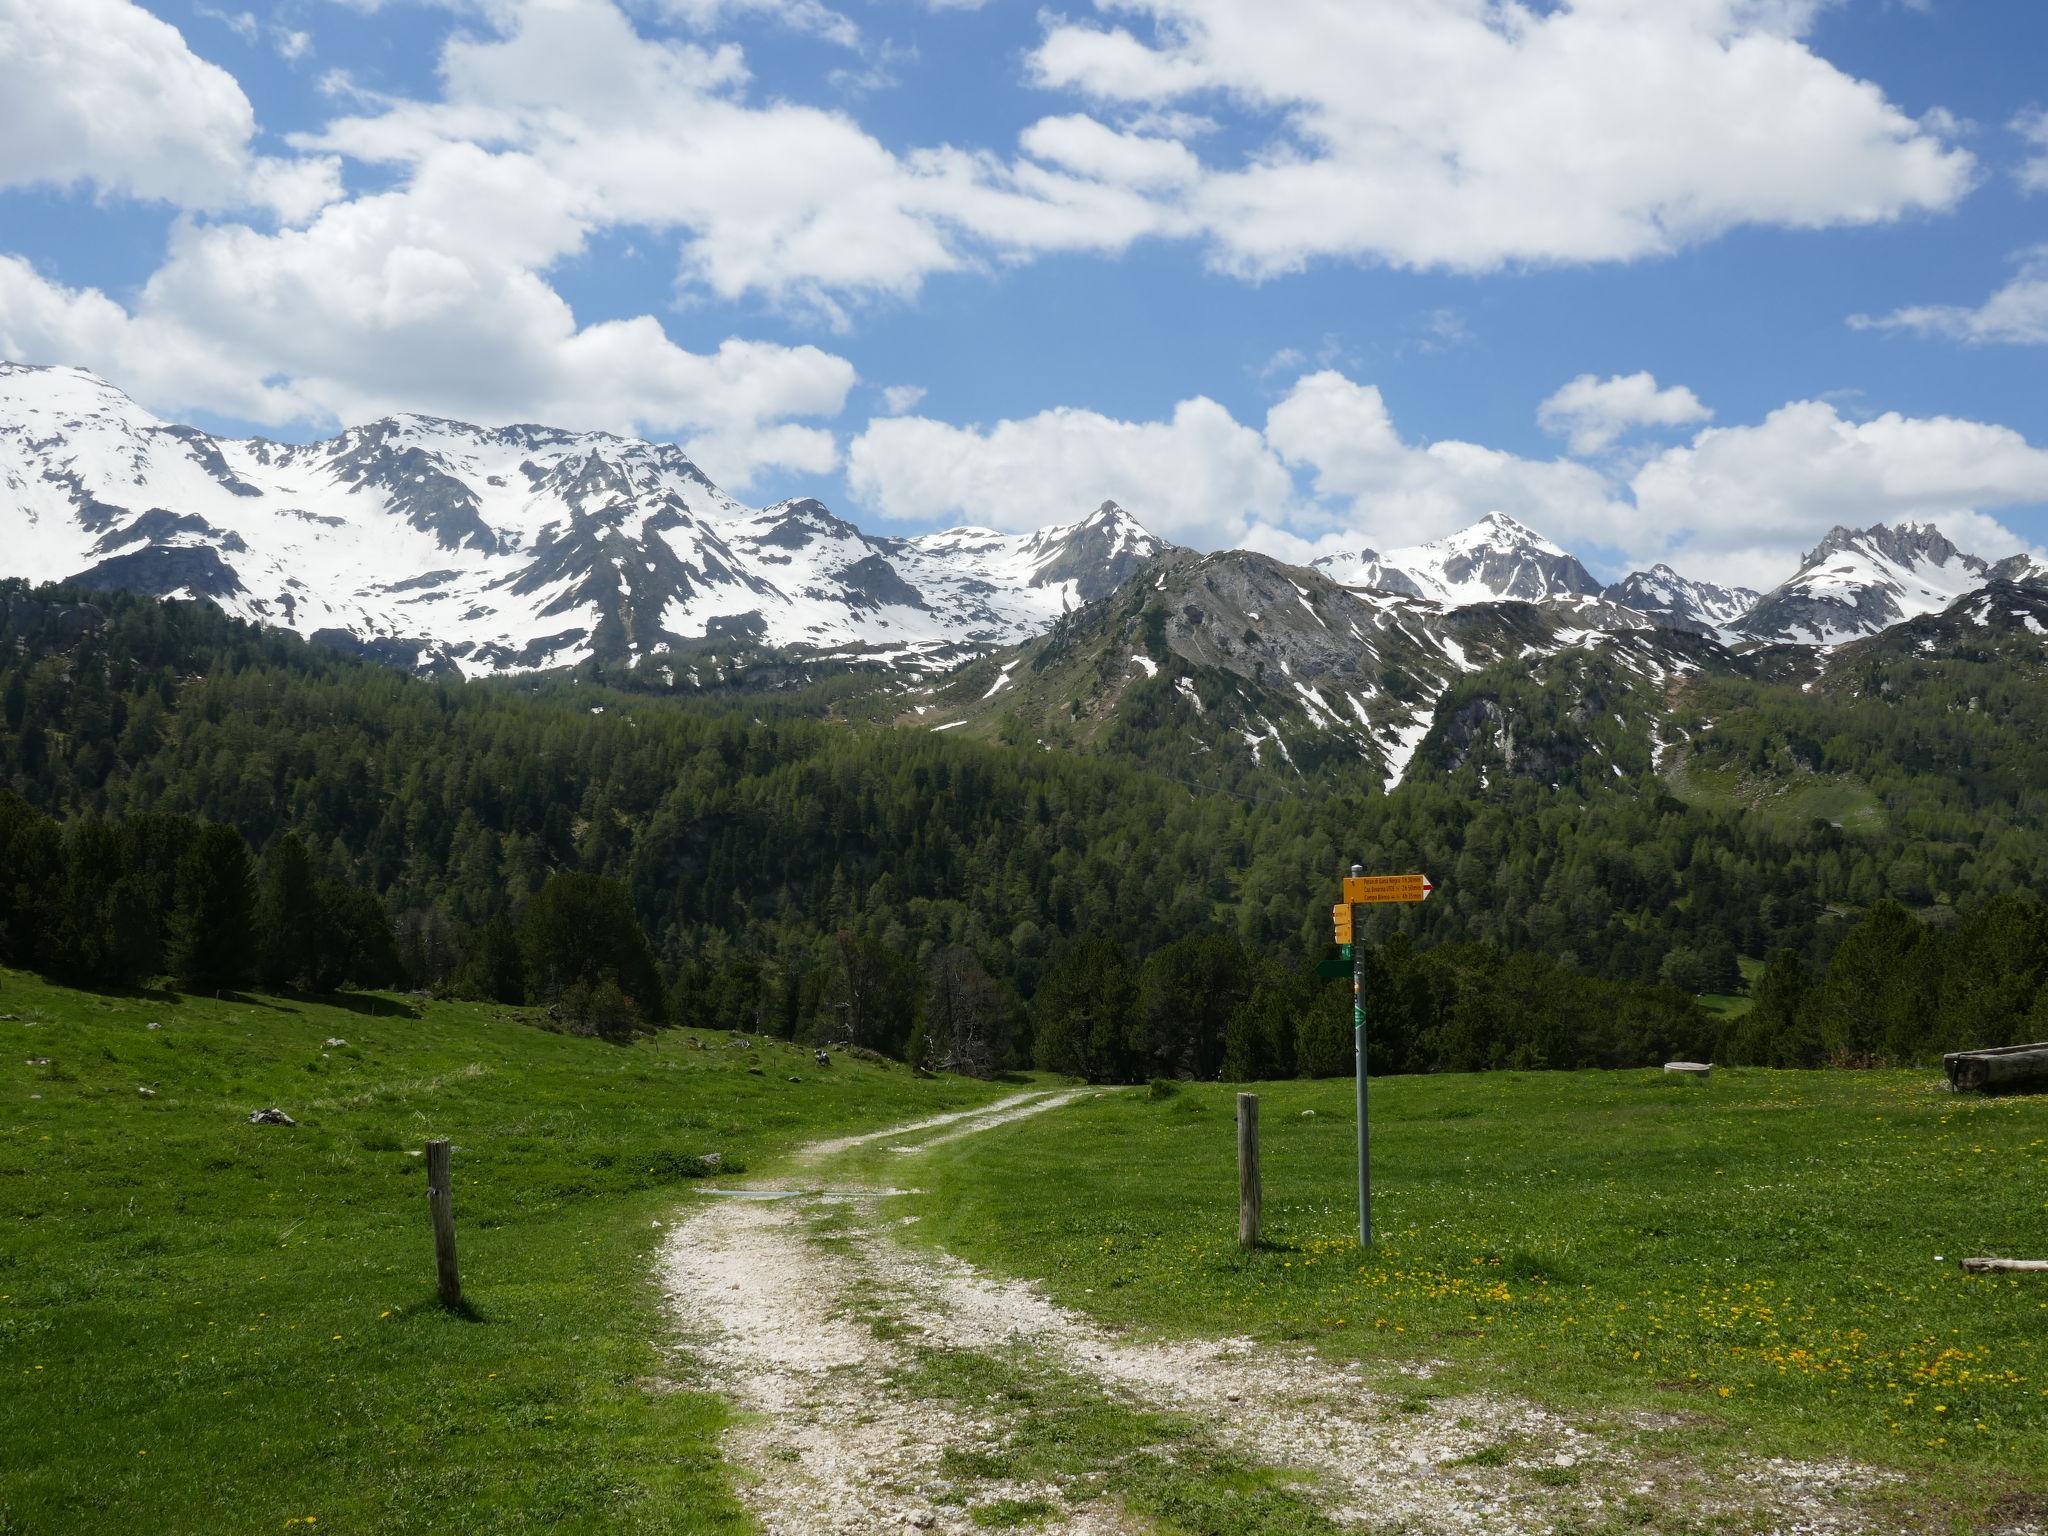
(2032,126)
(1592,414)
(1329,470)
(1479,132)
(425,298)
(432,295)
(1738,501)
(798,15)
(781,199)
(1375,487)
(2016,313)
(1462,135)
(101,94)
(1199,476)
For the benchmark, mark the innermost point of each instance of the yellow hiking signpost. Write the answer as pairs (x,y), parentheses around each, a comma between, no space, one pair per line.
(1361,890)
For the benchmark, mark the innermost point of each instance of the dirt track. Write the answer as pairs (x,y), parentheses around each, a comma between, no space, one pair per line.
(813,1319)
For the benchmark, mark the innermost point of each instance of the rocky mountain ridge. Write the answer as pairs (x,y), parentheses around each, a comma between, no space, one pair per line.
(441,545)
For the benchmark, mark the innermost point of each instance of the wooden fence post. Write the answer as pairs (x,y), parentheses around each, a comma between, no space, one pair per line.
(1247,1170)
(441,1202)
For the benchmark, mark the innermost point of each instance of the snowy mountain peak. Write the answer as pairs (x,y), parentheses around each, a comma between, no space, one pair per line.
(442,543)
(1492,560)
(1859,581)
(26,388)
(1497,531)
(1901,544)
(1678,602)
(1093,557)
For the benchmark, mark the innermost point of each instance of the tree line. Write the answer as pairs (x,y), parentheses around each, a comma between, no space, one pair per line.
(1900,990)
(773,871)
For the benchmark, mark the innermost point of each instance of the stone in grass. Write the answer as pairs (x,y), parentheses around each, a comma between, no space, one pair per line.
(39,1061)
(334,1042)
(147,1093)
(1697,1070)
(271,1116)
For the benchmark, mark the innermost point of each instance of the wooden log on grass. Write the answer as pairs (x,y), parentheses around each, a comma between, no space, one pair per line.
(2004,1266)
(1247,1170)
(2004,1069)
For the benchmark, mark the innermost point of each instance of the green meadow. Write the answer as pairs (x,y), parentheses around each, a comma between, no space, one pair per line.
(210,1326)
(1771,1255)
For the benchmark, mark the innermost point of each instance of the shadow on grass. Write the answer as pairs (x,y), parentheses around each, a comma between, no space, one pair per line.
(464,1311)
(373,1004)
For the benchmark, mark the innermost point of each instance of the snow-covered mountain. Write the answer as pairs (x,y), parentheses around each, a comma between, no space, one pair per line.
(1857,582)
(496,549)
(1681,602)
(434,543)
(1494,559)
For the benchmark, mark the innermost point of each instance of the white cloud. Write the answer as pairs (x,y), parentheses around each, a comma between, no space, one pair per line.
(788,200)
(2016,313)
(2032,125)
(242,23)
(1088,148)
(1204,478)
(1198,477)
(293,45)
(897,399)
(1376,488)
(1472,133)
(809,16)
(1739,502)
(1592,414)
(1329,470)
(100,93)
(427,298)
(1462,135)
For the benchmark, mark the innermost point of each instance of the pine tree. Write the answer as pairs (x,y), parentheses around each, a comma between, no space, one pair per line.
(214,945)
(288,927)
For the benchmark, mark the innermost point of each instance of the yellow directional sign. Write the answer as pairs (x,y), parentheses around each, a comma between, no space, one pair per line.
(1340,915)
(1370,889)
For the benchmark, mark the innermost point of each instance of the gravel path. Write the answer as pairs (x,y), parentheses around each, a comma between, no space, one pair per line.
(805,1331)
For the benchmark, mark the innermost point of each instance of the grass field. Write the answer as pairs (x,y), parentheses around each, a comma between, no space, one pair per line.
(1770,1254)
(209,1326)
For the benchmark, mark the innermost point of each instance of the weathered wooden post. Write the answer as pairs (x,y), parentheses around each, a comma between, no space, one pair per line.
(1247,1170)
(441,1202)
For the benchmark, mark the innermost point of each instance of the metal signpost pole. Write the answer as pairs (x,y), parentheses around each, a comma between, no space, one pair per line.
(1347,921)
(1358,1050)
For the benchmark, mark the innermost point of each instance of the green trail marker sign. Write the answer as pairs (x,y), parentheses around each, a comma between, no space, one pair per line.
(1360,890)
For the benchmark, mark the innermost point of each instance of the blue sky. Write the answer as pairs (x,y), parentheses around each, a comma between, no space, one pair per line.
(1288,273)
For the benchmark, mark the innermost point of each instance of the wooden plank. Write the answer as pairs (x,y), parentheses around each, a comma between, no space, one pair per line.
(1247,1170)
(441,1203)
(2004,1266)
